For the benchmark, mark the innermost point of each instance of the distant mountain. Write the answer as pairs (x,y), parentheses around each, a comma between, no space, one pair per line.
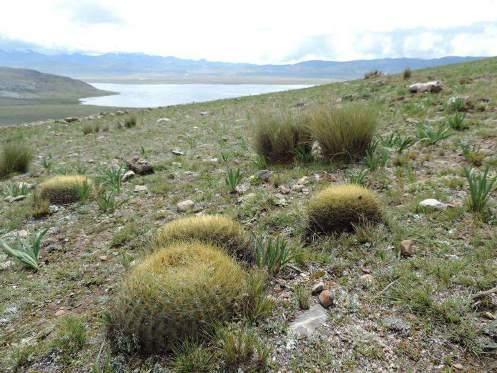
(31,84)
(140,65)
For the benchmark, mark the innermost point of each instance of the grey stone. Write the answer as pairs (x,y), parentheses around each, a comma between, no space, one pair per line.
(264,175)
(185,206)
(177,152)
(396,324)
(307,322)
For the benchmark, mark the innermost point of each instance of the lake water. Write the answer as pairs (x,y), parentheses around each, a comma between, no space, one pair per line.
(152,95)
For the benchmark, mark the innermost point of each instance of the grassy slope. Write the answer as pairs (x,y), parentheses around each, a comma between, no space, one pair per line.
(429,292)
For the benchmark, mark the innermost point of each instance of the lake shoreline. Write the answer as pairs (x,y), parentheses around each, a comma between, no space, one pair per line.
(163,95)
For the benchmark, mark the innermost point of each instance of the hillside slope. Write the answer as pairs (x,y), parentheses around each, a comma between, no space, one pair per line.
(30,84)
(430,308)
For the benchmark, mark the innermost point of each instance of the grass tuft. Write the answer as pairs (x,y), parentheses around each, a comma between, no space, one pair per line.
(15,157)
(343,133)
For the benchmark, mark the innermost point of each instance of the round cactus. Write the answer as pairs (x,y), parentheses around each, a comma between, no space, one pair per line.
(175,294)
(64,189)
(339,208)
(215,229)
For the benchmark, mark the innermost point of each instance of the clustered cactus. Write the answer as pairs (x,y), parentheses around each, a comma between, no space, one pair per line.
(339,208)
(177,293)
(194,278)
(62,190)
(215,229)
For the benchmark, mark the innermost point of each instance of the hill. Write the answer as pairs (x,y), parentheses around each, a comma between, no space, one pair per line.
(416,292)
(26,84)
(126,65)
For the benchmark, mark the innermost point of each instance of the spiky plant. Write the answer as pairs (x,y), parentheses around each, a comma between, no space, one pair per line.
(177,293)
(65,189)
(480,187)
(339,208)
(26,252)
(215,229)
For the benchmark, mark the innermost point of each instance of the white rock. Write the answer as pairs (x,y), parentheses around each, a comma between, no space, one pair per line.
(434,86)
(177,152)
(140,188)
(432,203)
(185,206)
(306,323)
(128,175)
(163,120)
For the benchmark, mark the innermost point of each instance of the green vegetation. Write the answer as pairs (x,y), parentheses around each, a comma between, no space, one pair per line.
(233,178)
(343,133)
(480,187)
(279,136)
(413,292)
(26,252)
(272,254)
(15,157)
(339,208)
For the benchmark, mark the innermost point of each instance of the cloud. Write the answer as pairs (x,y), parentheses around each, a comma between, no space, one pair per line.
(258,31)
(90,12)
(422,42)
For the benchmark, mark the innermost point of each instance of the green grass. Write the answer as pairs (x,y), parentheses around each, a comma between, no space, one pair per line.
(86,254)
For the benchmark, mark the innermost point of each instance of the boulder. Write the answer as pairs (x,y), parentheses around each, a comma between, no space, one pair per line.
(433,87)
(140,166)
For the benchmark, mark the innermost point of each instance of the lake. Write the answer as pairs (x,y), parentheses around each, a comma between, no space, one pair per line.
(152,95)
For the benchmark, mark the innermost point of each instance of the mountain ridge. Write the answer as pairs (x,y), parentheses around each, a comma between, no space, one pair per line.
(84,66)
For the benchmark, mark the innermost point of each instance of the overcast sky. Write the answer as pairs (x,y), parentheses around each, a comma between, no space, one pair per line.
(257,31)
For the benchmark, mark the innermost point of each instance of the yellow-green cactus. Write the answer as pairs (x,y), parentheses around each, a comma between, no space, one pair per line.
(65,189)
(175,294)
(216,229)
(339,208)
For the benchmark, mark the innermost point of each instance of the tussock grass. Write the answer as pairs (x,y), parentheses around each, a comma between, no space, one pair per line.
(280,137)
(15,157)
(340,208)
(215,229)
(342,133)
(177,293)
(65,189)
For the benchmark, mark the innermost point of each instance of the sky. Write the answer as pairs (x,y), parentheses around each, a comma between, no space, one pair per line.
(255,31)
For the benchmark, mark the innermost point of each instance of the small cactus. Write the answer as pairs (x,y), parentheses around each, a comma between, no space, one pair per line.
(214,229)
(175,294)
(339,208)
(61,190)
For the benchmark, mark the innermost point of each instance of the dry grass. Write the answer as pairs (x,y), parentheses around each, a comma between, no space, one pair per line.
(215,229)
(339,208)
(177,293)
(343,133)
(65,189)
